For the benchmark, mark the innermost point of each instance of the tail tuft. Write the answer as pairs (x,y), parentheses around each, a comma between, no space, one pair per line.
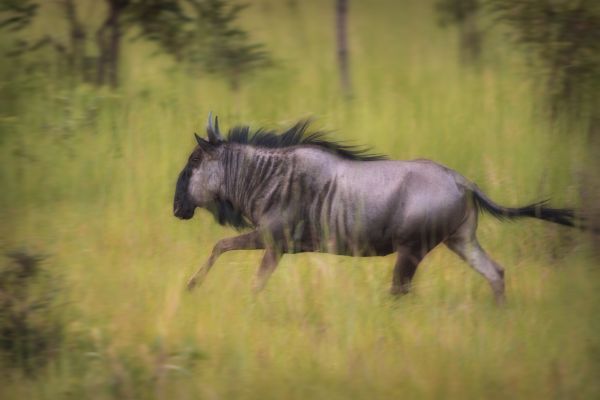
(561,216)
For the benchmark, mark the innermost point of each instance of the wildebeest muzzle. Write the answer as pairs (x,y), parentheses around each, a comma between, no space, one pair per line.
(183,207)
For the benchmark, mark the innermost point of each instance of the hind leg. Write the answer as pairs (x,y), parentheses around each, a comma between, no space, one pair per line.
(267,266)
(406,265)
(468,249)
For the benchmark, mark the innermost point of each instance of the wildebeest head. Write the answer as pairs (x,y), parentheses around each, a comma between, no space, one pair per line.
(201,177)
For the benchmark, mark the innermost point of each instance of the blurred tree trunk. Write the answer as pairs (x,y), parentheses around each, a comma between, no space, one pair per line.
(341,17)
(470,39)
(108,39)
(464,15)
(77,38)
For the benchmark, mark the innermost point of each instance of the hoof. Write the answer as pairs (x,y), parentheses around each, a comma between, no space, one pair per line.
(191,284)
(398,291)
(500,300)
(257,287)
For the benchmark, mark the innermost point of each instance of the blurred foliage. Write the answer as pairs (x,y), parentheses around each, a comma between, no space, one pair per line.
(166,23)
(203,33)
(456,11)
(562,40)
(464,15)
(142,372)
(229,49)
(18,14)
(72,56)
(31,325)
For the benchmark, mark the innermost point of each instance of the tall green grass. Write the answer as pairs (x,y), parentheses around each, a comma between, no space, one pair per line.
(87,176)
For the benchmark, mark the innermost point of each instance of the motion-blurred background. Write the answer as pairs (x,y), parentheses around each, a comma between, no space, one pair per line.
(98,104)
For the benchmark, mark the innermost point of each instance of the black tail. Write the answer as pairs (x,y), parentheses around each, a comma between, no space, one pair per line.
(562,216)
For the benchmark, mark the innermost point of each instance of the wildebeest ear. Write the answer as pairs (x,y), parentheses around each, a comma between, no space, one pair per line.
(204,145)
(214,136)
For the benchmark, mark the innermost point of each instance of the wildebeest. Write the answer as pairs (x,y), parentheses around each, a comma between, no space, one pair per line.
(300,192)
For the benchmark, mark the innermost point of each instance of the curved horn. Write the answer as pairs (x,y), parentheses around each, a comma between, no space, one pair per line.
(209,123)
(217,126)
(214,136)
(204,145)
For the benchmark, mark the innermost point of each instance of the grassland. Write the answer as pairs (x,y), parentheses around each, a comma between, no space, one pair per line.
(87,177)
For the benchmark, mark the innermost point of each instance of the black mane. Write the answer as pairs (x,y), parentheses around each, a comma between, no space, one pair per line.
(295,136)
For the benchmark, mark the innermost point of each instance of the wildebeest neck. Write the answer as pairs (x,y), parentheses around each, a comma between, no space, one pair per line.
(254,179)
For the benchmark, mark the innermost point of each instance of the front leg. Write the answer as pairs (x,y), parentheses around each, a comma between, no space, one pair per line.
(248,241)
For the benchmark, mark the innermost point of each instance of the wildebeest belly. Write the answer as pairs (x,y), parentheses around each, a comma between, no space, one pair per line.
(375,210)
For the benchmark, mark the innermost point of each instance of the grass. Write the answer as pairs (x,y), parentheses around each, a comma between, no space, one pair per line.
(88,175)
